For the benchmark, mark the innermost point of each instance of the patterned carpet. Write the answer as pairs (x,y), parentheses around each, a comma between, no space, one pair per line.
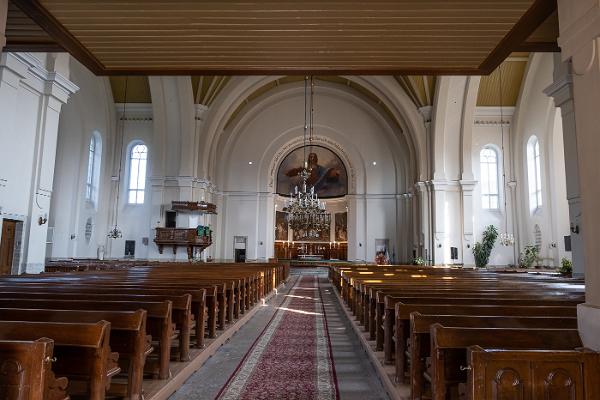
(291,359)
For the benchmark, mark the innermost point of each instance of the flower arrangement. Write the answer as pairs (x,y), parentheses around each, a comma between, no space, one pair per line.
(566,267)
(529,256)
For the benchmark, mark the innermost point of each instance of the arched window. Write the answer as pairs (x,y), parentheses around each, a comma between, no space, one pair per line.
(490,188)
(534,174)
(93,172)
(138,157)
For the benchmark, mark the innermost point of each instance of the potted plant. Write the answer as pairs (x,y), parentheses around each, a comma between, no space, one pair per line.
(419,261)
(529,256)
(566,267)
(482,250)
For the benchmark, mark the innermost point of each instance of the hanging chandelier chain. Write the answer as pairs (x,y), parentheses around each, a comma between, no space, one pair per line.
(306,214)
(115,232)
(506,239)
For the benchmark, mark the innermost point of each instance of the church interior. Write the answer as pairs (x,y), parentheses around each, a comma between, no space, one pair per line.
(299,200)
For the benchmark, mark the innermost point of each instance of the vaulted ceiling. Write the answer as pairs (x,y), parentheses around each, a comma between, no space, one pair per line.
(392,37)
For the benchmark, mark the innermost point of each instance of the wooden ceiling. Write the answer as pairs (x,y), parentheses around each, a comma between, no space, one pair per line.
(392,37)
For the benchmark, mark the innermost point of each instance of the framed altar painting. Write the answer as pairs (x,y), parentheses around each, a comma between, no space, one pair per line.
(327,172)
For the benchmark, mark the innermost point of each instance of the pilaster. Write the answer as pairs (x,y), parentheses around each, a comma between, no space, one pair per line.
(468,225)
(562,92)
(580,44)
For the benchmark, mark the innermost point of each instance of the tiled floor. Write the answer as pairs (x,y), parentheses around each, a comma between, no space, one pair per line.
(357,379)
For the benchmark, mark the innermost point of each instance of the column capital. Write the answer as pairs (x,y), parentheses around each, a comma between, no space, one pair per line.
(561,90)
(467,186)
(426,112)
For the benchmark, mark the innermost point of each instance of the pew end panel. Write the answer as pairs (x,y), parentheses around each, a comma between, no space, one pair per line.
(536,374)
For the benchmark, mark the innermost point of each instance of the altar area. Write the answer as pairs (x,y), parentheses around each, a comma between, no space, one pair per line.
(311,251)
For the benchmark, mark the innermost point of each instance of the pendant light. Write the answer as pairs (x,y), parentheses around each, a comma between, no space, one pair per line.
(115,232)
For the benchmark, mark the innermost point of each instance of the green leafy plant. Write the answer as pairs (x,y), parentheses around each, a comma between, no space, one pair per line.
(419,261)
(482,250)
(566,267)
(529,256)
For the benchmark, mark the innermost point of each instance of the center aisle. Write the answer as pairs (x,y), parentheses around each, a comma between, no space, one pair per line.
(292,355)
(285,352)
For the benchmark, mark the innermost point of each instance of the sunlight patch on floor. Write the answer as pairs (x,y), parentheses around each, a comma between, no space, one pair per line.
(298,311)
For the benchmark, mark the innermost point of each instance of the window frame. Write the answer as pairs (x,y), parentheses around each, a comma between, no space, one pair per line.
(93,171)
(135,185)
(534,174)
(486,194)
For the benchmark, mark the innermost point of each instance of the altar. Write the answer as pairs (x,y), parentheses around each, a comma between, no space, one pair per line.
(311,251)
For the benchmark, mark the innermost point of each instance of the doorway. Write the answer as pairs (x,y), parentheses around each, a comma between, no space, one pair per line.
(239,248)
(7,246)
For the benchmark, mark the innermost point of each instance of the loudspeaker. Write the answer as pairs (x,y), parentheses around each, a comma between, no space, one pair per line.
(568,243)
(454,253)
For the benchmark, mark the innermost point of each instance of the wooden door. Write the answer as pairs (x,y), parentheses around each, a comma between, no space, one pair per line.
(7,246)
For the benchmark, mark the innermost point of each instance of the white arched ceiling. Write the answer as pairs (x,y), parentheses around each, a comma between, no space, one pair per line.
(395,110)
(345,123)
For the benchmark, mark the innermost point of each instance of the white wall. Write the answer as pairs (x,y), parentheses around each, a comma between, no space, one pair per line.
(537,115)
(270,127)
(33,89)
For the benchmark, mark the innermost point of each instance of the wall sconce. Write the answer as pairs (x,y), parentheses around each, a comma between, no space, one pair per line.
(553,245)
(575,229)
(43,219)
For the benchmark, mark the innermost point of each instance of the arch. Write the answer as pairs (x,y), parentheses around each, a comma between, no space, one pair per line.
(403,115)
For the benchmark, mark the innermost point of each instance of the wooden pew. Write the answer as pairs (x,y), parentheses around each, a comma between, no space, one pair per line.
(449,349)
(127,337)
(81,351)
(390,304)
(532,374)
(419,349)
(26,373)
(181,308)
(158,324)
(404,311)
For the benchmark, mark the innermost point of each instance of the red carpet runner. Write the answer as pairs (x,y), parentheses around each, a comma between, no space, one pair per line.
(291,359)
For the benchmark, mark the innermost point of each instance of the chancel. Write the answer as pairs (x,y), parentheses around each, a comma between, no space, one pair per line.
(299,200)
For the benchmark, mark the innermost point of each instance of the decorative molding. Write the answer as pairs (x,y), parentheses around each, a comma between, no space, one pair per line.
(579,32)
(490,122)
(561,90)
(426,112)
(490,116)
(467,186)
(200,113)
(45,82)
(184,182)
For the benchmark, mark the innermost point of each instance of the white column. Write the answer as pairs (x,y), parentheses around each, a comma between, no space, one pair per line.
(425,241)
(468,228)
(562,92)
(580,43)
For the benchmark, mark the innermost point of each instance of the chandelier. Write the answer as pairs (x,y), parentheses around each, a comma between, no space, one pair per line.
(306,214)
